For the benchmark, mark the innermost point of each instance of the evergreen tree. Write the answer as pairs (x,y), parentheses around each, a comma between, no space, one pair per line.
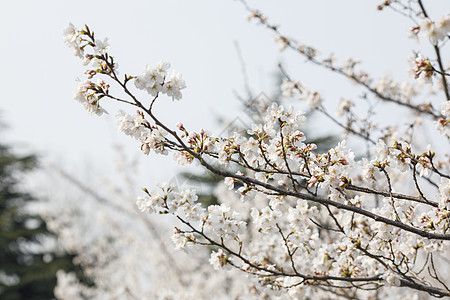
(28,263)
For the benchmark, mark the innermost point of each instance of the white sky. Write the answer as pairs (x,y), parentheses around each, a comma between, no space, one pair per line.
(197,37)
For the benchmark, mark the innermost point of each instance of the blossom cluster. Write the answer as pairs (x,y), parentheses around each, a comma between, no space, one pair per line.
(301,219)
(421,68)
(435,30)
(279,145)
(151,137)
(154,80)
(277,149)
(72,38)
(87,94)
(218,221)
(218,259)
(99,61)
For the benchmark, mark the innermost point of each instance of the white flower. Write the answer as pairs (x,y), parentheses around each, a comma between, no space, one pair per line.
(443,24)
(101,47)
(282,41)
(224,222)
(219,260)
(154,77)
(299,216)
(445,109)
(435,31)
(151,204)
(344,106)
(152,80)
(382,150)
(287,88)
(131,125)
(229,181)
(71,37)
(173,87)
(181,239)
(266,219)
(426,25)
(391,279)
(183,158)
(428,29)
(444,194)
(162,67)
(70,33)
(412,33)
(155,140)
(144,204)
(140,82)
(312,98)
(154,88)
(443,126)
(87,98)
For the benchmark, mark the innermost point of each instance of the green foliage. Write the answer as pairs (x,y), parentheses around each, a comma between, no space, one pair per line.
(28,265)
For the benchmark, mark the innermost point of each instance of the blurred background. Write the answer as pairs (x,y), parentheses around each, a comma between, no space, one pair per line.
(221,55)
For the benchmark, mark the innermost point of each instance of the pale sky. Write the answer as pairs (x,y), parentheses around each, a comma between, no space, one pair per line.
(198,38)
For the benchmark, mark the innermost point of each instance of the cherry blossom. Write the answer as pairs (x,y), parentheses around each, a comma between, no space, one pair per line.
(298,220)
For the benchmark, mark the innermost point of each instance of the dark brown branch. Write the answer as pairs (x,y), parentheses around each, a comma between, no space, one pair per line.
(352,77)
(438,57)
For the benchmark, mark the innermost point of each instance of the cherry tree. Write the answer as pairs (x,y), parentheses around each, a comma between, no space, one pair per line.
(299,223)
